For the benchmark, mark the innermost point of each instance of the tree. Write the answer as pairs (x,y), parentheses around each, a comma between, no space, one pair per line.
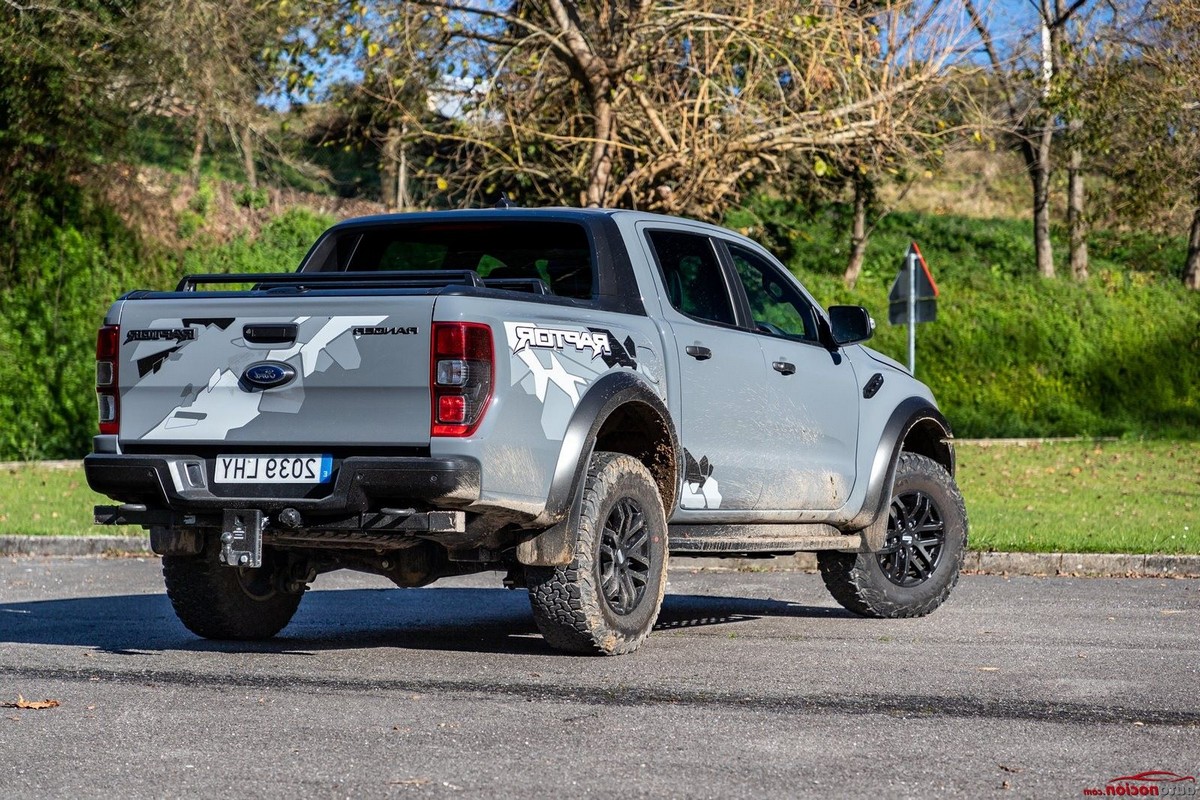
(1030,112)
(1142,106)
(210,61)
(677,108)
(57,62)
(1178,59)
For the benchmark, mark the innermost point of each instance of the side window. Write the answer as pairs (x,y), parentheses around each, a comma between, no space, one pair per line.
(778,308)
(692,275)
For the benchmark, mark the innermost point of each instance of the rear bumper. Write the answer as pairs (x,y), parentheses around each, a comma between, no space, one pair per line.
(360,484)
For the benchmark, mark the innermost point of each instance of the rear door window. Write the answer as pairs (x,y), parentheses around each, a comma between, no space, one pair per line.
(692,275)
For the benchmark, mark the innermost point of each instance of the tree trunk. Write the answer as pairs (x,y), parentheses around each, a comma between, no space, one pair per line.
(388,178)
(248,166)
(403,201)
(601,166)
(1191,267)
(1039,172)
(1076,222)
(197,149)
(858,231)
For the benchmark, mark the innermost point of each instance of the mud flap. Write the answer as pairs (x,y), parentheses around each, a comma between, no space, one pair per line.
(241,538)
(553,547)
(166,541)
(874,536)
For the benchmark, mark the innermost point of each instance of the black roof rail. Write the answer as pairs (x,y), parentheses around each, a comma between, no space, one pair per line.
(384,279)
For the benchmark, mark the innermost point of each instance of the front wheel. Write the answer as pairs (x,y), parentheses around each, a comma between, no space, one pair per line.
(922,555)
(220,602)
(607,599)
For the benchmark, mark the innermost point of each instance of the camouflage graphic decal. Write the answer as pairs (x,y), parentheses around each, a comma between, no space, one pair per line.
(153,363)
(700,488)
(222,405)
(556,364)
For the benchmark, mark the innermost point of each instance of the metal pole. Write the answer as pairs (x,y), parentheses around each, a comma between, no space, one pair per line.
(912,312)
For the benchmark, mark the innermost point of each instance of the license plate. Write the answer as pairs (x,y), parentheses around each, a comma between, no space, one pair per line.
(273,469)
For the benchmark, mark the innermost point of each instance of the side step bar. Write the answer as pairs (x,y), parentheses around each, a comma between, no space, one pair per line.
(714,539)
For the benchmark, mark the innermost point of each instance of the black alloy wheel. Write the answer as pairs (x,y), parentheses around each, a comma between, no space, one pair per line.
(924,544)
(625,557)
(606,599)
(916,536)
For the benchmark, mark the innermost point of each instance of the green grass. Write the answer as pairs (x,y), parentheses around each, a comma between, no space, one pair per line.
(49,499)
(1075,497)
(1083,497)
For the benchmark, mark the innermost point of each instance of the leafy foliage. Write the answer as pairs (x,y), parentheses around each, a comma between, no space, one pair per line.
(69,278)
(47,405)
(1012,354)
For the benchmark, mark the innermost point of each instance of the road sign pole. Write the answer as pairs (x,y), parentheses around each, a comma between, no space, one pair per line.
(912,312)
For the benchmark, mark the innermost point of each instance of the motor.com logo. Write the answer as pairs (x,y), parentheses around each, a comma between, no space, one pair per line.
(1155,783)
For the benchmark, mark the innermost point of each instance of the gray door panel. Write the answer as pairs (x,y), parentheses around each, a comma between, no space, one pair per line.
(813,416)
(720,386)
(811,404)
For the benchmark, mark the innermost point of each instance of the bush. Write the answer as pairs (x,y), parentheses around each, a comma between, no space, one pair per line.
(1012,354)
(63,284)
(253,199)
(278,248)
(47,344)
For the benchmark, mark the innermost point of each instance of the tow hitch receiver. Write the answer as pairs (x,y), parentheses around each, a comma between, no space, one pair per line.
(241,538)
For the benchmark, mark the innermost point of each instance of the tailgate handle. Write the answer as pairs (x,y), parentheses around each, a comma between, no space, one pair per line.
(271,334)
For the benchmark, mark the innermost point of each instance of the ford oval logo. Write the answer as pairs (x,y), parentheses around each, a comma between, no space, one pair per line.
(266,375)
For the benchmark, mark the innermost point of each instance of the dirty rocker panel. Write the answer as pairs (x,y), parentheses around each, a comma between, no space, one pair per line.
(712,540)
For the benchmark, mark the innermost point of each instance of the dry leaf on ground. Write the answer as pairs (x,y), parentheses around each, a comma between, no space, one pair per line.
(35,705)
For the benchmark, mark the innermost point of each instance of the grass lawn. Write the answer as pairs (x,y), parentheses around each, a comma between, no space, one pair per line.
(1083,497)
(1075,497)
(50,498)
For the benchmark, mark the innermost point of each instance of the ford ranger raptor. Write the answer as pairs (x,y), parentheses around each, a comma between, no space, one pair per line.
(567,396)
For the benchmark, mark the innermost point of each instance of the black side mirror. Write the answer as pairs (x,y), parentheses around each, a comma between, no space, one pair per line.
(850,324)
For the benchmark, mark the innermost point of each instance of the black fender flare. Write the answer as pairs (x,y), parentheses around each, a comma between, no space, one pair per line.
(612,391)
(910,414)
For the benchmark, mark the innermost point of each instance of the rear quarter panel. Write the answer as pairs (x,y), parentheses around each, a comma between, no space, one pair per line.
(548,356)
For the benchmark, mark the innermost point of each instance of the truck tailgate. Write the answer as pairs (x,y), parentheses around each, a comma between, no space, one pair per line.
(275,373)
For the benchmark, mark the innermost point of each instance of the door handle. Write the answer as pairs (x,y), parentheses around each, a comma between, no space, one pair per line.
(271,334)
(698,352)
(784,367)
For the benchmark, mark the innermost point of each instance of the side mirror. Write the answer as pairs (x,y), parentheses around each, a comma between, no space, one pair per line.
(850,324)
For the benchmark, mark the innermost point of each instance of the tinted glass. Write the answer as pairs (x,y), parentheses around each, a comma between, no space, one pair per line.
(778,308)
(692,275)
(559,254)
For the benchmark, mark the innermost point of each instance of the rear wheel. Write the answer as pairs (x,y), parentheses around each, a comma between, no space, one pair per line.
(922,555)
(220,602)
(607,599)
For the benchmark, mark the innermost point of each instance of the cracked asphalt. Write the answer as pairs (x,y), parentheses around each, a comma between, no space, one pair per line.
(753,685)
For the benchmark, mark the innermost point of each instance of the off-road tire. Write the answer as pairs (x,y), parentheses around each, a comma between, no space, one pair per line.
(860,582)
(220,602)
(620,550)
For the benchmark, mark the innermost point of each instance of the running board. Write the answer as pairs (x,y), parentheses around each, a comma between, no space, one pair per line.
(709,539)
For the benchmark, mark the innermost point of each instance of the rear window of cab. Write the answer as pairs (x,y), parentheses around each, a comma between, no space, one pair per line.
(507,254)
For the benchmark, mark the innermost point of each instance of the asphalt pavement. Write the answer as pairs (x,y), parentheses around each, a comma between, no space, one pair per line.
(754,684)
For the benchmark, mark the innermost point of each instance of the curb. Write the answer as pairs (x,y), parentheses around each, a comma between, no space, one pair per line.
(1090,565)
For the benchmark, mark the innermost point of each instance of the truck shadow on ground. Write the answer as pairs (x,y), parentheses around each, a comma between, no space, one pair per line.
(456,619)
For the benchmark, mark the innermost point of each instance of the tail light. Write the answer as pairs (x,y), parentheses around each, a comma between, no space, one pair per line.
(108,401)
(461,367)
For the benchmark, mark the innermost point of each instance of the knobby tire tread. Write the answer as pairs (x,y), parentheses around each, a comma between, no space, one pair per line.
(854,579)
(566,601)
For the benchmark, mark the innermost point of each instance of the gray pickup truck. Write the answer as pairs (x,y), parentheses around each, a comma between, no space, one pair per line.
(566,395)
